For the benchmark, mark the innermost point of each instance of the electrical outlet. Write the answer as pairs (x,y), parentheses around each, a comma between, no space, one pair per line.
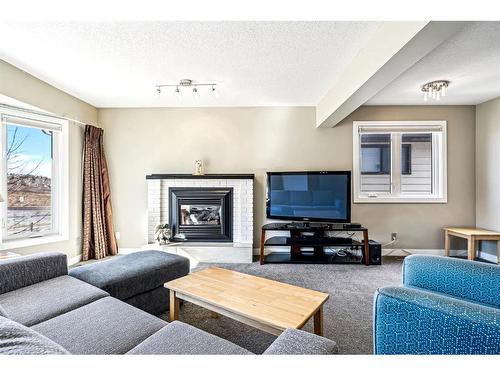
(394,236)
(117,235)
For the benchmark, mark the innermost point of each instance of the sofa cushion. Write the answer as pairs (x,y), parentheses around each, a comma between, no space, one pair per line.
(126,276)
(18,339)
(296,341)
(19,272)
(156,301)
(3,312)
(181,338)
(38,302)
(106,326)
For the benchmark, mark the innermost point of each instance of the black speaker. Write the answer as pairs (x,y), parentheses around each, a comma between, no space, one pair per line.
(375,253)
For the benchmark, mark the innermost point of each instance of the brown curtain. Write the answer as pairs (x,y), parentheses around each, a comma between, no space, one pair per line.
(98,231)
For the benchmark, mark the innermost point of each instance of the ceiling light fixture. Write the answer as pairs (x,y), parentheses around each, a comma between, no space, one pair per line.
(188,83)
(435,89)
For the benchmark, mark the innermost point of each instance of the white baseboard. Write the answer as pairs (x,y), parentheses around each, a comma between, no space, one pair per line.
(488,257)
(404,252)
(453,252)
(74,260)
(128,250)
(385,251)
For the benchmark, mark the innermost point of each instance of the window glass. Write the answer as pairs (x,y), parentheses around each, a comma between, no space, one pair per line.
(406,158)
(416,163)
(29,164)
(375,158)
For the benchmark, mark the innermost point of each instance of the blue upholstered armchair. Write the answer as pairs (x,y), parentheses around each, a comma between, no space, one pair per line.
(445,306)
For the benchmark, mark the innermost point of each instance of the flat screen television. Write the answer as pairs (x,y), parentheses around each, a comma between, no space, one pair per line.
(309,196)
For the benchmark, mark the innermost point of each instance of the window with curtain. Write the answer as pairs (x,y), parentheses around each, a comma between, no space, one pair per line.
(397,161)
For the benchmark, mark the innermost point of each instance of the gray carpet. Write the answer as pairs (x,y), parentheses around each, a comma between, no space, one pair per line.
(347,313)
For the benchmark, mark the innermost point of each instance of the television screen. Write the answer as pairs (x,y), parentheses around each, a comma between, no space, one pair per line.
(309,196)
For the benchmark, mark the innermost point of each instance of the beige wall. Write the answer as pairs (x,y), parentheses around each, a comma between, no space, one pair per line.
(21,86)
(488,164)
(420,225)
(255,140)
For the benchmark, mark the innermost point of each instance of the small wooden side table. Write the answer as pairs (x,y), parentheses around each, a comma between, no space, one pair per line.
(471,235)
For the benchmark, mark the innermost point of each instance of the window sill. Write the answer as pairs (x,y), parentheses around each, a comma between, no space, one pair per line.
(429,200)
(25,242)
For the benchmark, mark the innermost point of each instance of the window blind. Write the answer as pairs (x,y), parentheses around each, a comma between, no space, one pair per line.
(401,129)
(45,124)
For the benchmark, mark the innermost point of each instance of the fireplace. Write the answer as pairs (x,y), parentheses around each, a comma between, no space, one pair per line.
(235,218)
(202,214)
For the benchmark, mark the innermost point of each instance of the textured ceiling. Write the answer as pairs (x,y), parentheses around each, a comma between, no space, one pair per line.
(470,60)
(254,63)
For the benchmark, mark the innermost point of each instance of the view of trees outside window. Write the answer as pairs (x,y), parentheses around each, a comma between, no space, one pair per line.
(29,181)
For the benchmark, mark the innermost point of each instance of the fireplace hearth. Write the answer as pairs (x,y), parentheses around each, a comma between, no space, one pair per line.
(202,214)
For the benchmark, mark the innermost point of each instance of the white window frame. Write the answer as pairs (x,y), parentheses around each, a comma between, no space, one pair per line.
(60,173)
(439,157)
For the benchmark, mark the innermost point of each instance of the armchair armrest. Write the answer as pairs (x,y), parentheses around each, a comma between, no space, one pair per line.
(19,272)
(415,321)
(295,342)
(460,278)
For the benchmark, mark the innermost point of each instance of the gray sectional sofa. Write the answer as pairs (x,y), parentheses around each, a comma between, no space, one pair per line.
(43,310)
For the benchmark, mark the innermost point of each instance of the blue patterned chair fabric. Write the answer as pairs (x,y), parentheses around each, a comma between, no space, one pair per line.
(445,306)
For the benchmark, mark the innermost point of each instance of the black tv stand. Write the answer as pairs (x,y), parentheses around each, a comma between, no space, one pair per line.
(305,236)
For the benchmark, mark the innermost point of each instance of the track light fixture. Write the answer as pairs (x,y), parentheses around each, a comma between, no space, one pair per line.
(215,93)
(184,83)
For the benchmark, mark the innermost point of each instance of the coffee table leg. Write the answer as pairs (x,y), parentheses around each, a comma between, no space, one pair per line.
(471,248)
(318,322)
(174,306)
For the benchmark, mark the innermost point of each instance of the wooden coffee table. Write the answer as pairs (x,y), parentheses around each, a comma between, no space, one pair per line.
(261,303)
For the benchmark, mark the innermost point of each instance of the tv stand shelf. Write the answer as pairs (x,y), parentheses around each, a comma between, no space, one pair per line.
(309,243)
(305,241)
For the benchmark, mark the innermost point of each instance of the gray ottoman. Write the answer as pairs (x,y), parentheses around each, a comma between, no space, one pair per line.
(136,278)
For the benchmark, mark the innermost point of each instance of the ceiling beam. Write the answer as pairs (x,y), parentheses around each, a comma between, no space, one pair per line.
(393,49)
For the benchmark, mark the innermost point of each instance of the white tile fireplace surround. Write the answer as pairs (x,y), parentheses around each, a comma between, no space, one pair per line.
(237,251)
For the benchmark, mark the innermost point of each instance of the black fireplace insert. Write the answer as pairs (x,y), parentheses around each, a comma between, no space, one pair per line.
(202,214)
